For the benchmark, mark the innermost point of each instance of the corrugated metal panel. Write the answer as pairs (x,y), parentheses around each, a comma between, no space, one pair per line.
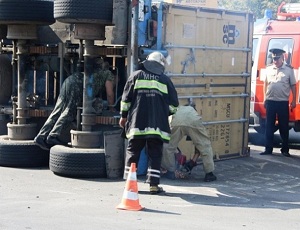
(197,3)
(211,63)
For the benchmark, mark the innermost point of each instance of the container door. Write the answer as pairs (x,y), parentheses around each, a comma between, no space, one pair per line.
(211,52)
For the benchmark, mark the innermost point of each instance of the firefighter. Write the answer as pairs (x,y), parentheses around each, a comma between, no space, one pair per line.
(187,122)
(279,81)
(149,97)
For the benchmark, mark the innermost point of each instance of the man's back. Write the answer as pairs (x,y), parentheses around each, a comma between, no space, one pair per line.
(72,88)
(185,116)
(150,96)
(100,77)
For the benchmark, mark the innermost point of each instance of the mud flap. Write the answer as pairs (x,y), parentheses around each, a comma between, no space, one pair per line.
(114,153)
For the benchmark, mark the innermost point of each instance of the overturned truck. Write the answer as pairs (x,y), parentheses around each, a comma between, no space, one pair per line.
(210,51)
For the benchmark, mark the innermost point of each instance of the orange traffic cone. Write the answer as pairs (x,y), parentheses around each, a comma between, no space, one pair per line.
(130,200)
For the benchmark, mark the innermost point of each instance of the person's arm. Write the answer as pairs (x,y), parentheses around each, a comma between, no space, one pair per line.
(173,98)
(126,100)
(122,122)
(109,86)
(293,103)
(265,91)
(293,89)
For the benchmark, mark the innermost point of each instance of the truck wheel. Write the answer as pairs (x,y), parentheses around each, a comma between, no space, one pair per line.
(297,126)
(15,153)
(3,31)
(78,11)
(262,127)
(77,162)
(5,79)
(26,12)
(260,130)
(4,119)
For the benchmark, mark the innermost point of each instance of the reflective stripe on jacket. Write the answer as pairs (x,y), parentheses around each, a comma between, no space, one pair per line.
(147,101)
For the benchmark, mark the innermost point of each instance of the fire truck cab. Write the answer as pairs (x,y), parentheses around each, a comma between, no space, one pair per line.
(284,33)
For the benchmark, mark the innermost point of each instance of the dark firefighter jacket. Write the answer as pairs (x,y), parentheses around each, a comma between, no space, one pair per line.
(147,101)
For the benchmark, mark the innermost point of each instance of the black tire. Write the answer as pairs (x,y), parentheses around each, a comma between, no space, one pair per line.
(261,129)
(77,162)
(14,153)
(5,79)
(4,119)
(78,11)
(26,12)
(3,31)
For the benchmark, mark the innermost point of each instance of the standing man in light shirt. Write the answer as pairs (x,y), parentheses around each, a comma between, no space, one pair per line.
(280,81)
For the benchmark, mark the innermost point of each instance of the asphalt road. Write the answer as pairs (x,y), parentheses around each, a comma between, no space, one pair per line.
(256,192)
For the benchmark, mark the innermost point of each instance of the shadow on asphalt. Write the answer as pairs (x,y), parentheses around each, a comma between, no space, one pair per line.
(161,212)
(257,182)
(259,139)
(247,199)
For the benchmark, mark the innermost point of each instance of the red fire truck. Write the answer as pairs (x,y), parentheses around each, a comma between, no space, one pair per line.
(284,33)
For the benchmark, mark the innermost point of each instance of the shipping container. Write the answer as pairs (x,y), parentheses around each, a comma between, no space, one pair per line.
(196,3)
(211,65)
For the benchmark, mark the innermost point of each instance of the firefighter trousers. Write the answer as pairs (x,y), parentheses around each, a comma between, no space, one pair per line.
(153,147)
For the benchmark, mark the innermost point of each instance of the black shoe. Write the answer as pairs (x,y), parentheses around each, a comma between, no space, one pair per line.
(39,141)
(265,153)
(286,154)
(188,166)
(155,189)
(210,177)
(54,141)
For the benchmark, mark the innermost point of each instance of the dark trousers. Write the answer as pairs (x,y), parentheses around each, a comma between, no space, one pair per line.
(154,148)
(281,110)
(62,115)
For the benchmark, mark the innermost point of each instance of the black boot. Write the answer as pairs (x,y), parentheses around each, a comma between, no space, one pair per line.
(210,177)
(40,141)
(155,189)
(51,140)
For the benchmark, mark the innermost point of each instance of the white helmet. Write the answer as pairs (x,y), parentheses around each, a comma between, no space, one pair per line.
(155,62)
(158,57)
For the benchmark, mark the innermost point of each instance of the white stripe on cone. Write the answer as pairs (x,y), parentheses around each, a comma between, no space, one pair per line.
(130,195)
